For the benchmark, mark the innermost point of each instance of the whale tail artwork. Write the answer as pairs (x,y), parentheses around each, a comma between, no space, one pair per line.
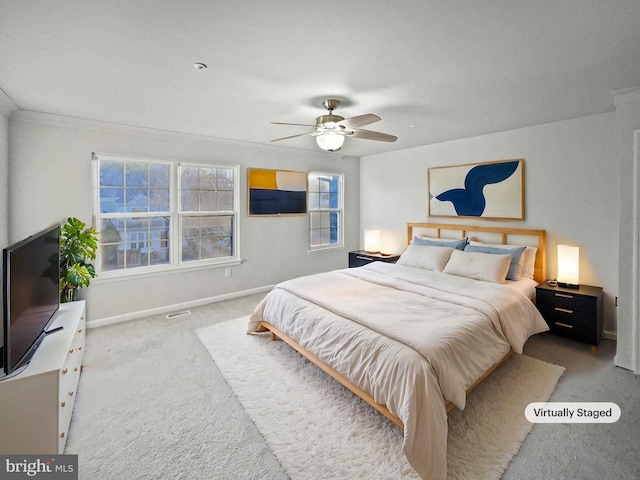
(470,200)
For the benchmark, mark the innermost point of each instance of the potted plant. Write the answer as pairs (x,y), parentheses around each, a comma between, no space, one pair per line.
(78,245)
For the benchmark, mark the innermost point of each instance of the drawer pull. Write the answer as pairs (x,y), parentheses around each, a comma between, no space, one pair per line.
(563,295)
(79,348)
(62,435)
(75,369)
(563,310)
(62,404)
(71,394)
(564,325)
(64,372)
(71,351)
(80,331)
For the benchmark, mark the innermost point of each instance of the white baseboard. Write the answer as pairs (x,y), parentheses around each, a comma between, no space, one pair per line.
(101,322)
(610,334)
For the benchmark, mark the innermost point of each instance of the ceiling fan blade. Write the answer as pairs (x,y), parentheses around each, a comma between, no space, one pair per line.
(292,136)
(298,124)
(359,121)
(369,135)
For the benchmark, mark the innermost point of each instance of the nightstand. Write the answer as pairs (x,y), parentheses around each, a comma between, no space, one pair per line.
(360,258)
(574,313)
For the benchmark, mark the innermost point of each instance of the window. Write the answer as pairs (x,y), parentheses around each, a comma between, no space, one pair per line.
(154,214)
(325,210)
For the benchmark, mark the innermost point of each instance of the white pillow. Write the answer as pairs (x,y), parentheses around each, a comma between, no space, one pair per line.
(527,259)
(426,257)
(487,267)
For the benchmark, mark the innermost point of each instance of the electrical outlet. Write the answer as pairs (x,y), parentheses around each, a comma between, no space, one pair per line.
(227,272)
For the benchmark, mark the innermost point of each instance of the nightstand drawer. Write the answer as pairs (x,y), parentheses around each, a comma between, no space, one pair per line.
(575,333)
(569,301)
(572,318)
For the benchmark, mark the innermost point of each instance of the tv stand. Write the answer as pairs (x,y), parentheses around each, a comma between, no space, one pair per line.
(37,403)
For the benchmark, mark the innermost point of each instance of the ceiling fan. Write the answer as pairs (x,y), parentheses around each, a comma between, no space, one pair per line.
(330,130)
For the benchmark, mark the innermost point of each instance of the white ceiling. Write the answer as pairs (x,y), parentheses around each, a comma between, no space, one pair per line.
(433,70)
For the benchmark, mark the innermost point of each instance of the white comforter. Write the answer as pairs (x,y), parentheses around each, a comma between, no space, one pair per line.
(412,338)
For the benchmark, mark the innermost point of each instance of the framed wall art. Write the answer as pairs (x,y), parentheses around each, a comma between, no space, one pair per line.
(276,192)
(490,190)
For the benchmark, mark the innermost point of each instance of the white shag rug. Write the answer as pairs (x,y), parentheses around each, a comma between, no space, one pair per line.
(319,429)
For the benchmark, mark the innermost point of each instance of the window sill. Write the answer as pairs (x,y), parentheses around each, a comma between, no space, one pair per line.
(325,248)
(134,274)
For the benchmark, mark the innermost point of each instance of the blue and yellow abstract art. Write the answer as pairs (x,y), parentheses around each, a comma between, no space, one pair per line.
(277,192)
(492,190)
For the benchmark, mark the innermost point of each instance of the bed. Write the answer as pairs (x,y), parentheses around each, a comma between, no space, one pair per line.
(412,339)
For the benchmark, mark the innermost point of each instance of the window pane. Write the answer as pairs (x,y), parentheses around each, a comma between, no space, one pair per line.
(225,179)
(324,200)
(159,176)
(111,200)
(207,237)
(190,249)
(314,201)
(137,175)
(207,178)
(159,201)
(315,220)
(191,227)
(314,183)
(137,200)
(225,201)
(159,253)
(189,177)
(208,201)
(189,201)
(111,174)
(333,200)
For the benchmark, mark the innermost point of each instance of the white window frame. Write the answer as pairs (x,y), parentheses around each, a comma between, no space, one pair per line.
(174,214)
(340,210)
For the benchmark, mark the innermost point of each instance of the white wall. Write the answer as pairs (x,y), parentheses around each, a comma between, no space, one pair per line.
(4,187)
(571,191)
(628,119)
(50,180)
(4,181)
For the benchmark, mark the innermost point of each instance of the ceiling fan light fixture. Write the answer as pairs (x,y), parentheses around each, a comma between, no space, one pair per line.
(330,141)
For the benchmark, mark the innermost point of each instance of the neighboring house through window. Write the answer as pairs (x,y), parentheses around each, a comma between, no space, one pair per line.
(158,214)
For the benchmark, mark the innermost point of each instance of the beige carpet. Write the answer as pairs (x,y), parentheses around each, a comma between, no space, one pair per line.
(318,429)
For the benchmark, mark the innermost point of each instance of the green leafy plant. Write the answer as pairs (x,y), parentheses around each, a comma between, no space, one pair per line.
(78,245)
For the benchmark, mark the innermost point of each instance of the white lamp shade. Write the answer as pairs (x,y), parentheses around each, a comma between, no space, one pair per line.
(330,141)
(568,265)
(372,241)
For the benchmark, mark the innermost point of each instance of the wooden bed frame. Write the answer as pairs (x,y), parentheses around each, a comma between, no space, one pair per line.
(463,230)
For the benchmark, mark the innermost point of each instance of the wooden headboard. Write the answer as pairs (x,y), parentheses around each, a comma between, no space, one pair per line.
(537,238)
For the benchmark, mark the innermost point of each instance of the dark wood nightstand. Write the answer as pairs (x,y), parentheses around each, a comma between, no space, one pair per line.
(574,313)
(360,258)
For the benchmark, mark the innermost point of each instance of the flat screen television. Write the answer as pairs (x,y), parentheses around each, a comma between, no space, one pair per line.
(31,295)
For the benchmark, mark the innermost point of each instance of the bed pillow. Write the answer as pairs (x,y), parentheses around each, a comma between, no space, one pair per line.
(486,267)
(516,253)
(427,257)
(441,242)
(527,259)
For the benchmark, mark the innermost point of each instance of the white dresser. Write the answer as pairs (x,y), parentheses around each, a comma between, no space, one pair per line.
(36,405)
